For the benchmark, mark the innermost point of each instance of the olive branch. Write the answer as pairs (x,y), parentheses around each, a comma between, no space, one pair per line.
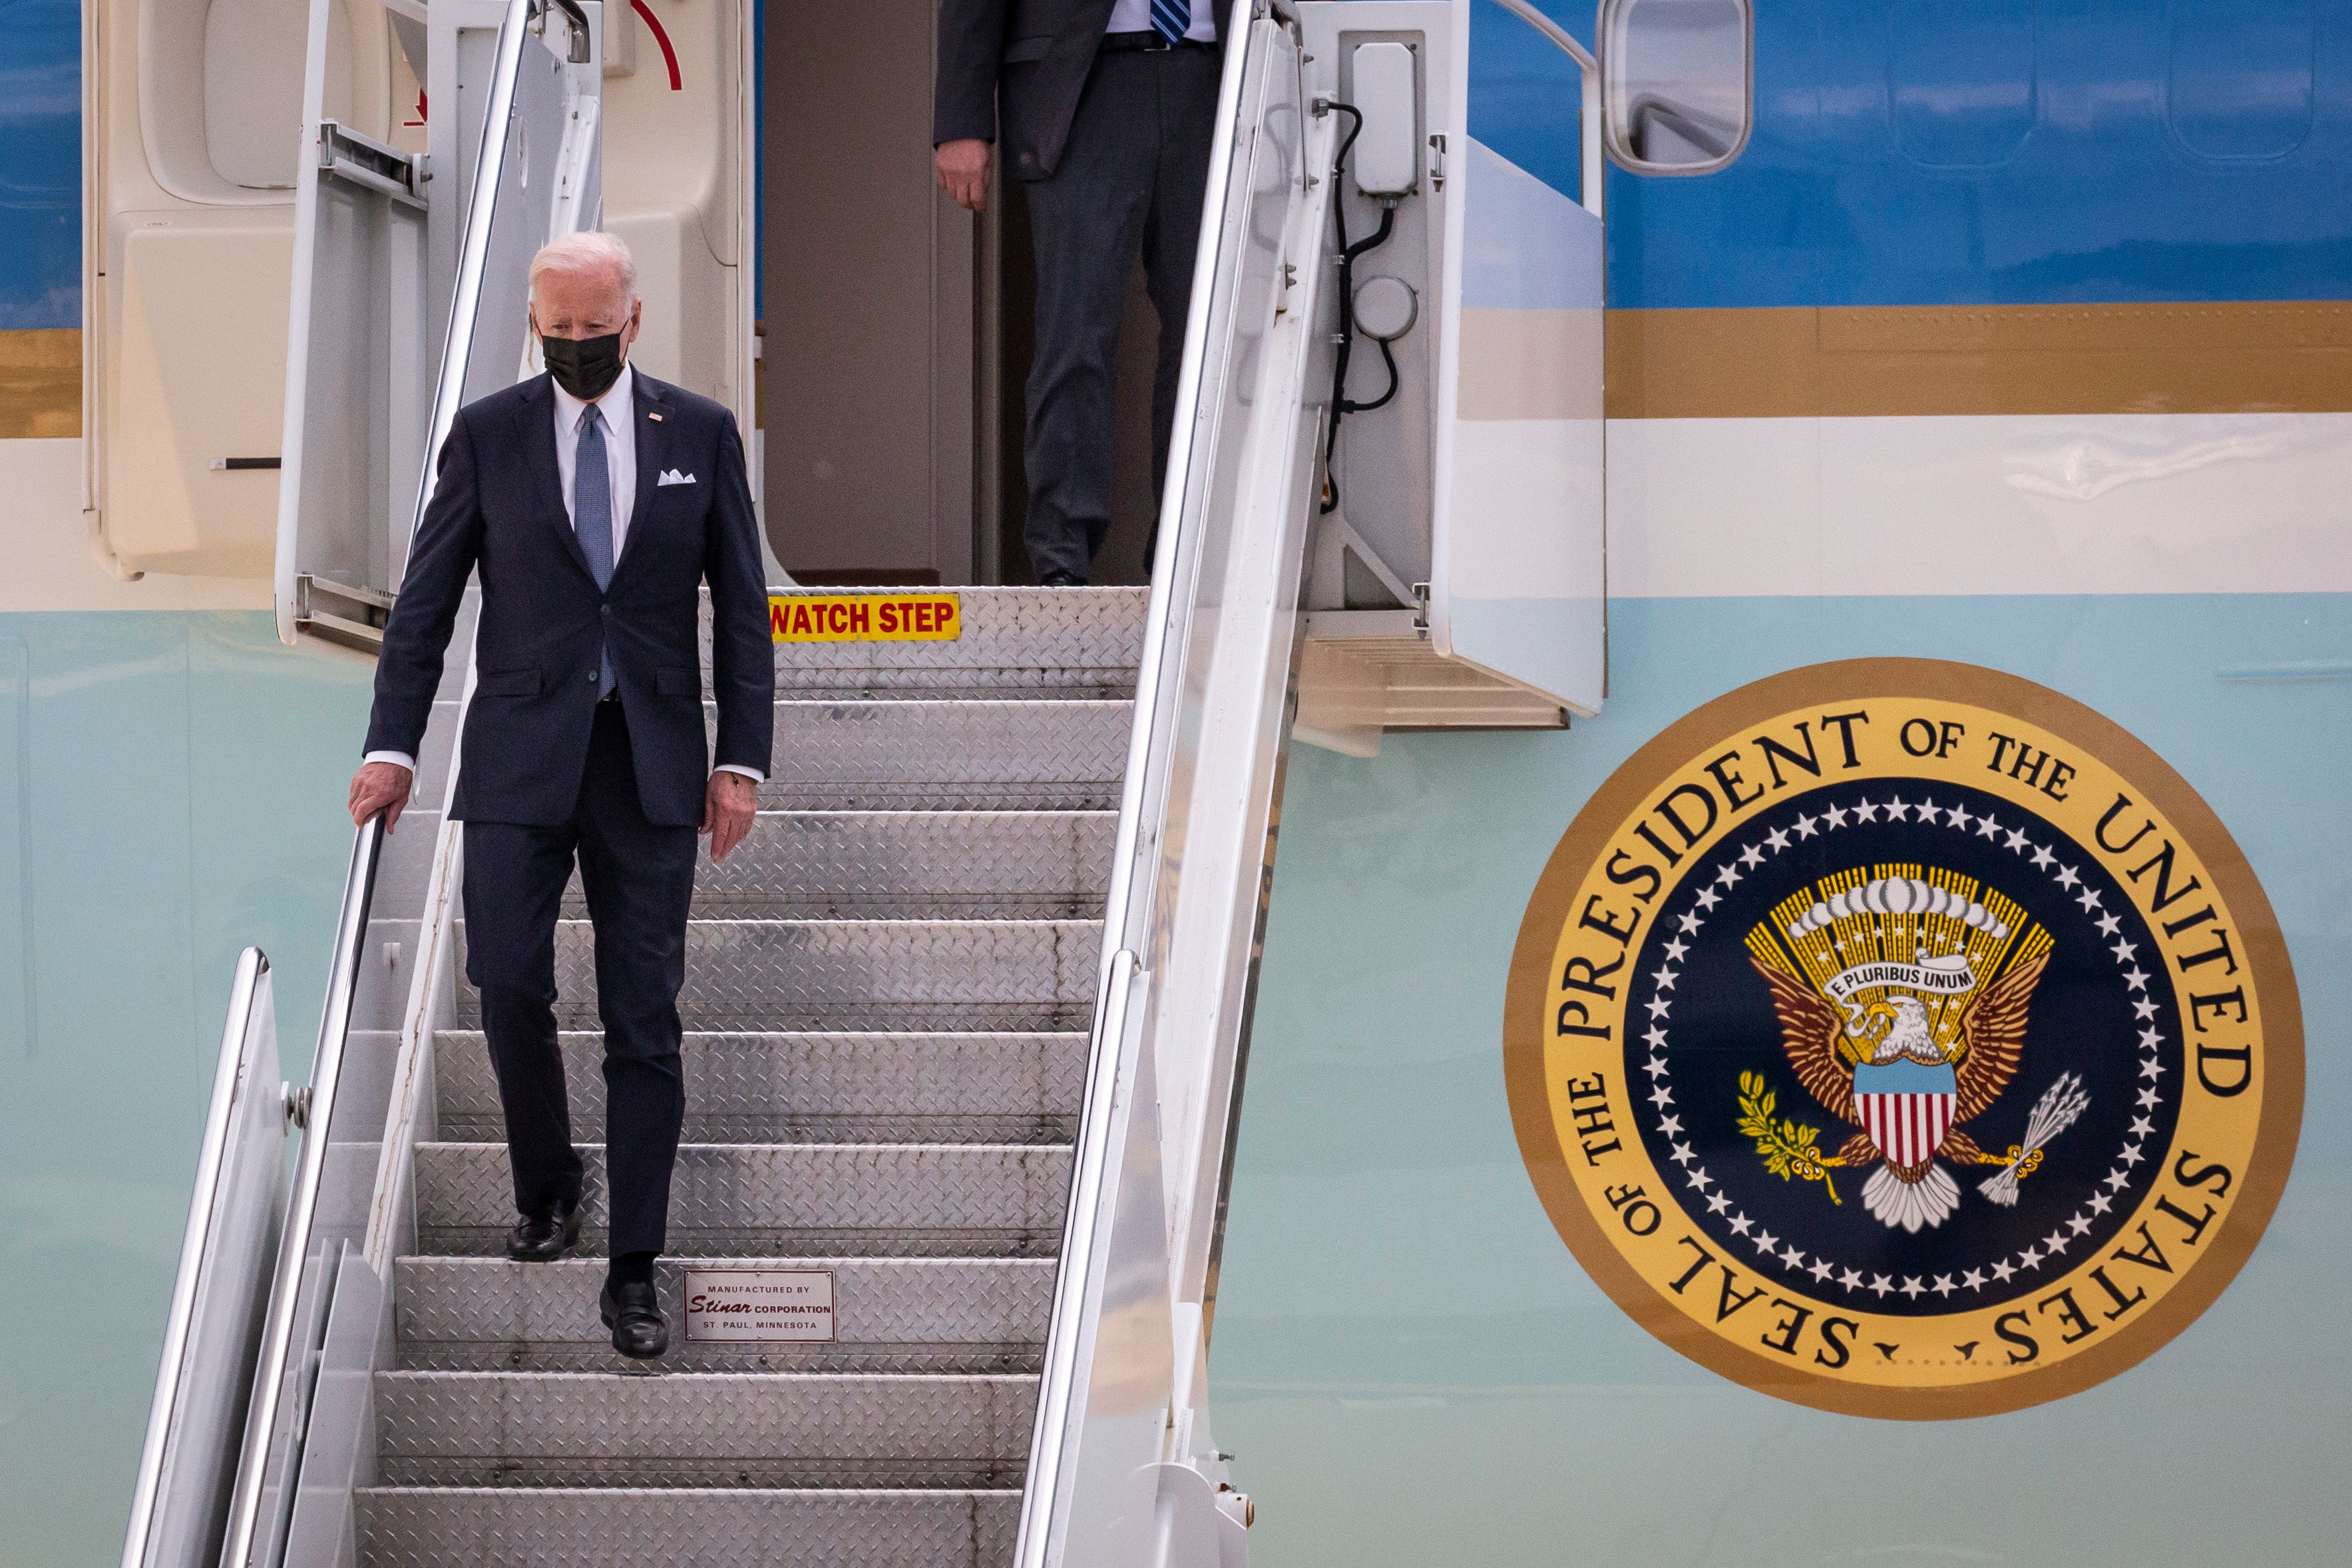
(1789,1149)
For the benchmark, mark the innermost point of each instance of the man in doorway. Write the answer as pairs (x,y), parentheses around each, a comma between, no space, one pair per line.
(1104,109)
(594,501)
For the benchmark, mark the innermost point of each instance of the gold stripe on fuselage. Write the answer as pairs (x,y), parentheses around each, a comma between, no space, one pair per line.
(2193,357)
(2200,357)
(40,384)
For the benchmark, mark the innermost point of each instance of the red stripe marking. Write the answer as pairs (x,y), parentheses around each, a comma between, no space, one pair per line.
(661,37)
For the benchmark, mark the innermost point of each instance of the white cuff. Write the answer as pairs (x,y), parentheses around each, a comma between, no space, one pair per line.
(754,774)
(397,758)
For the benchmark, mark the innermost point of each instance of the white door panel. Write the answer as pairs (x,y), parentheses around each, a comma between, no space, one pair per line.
(1519,586)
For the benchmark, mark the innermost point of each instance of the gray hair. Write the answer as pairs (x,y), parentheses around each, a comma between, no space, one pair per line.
(586,250)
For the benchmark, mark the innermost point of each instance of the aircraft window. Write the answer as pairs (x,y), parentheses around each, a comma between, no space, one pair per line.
(1679,91)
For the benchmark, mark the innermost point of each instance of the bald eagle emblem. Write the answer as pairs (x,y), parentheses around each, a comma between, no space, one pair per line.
(1902,995)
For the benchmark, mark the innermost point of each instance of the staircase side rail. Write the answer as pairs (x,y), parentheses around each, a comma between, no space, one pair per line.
(274,1424)
(1220,620)
(295,1282)
(458,351)
(538,176)
(577,205)
(179,1504)
(1060,1392)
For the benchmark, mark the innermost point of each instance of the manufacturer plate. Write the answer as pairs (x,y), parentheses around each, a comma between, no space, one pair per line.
(866,618)
(763,1306)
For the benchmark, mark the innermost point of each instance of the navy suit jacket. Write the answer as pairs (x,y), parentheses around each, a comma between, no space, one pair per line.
(1010,71)
(498,507)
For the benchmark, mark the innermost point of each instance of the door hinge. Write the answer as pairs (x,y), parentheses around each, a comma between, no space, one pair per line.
(1437,162)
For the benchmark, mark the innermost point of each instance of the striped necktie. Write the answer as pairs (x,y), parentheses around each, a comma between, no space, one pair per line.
(1172,19)
(591,515)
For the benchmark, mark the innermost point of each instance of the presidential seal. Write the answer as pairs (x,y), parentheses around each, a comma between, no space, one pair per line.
(1905,1039)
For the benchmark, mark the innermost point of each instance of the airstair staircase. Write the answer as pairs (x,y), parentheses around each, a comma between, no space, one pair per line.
(968,1014)
(887,992)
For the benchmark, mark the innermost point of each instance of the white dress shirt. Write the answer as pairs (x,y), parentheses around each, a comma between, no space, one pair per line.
(1135,16)
(620,469)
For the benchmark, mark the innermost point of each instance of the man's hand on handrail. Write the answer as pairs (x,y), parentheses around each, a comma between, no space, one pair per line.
(962,169)
(379,786)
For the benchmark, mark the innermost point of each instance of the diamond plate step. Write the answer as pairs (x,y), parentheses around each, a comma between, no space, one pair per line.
(909,865)
(892,1314)
(922,755)
(1033,642)
(756,1088)
(455,1527)
(736,1200)
(854,975)
(700,1429)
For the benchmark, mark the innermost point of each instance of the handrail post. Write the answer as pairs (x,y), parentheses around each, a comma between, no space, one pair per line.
(326,1073)
(252,969)
(1593,159)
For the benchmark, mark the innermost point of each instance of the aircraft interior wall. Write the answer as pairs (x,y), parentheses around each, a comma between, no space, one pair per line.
(896,329)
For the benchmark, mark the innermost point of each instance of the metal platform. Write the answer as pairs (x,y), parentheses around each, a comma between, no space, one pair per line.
(1031,642)
(465,1527)
(890,1314)
(911,865)
(1046,755)
(701,1429)
(913,1200)
(884,994)
(858,974)
(969,1088)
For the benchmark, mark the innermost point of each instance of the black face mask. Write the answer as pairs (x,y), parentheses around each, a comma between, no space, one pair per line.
(584,367)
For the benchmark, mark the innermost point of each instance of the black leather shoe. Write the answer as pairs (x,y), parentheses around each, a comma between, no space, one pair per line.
(634,1314)
(1061,577)
(543,1238)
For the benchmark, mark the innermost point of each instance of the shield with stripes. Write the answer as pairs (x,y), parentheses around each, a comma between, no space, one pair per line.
(1906,1107)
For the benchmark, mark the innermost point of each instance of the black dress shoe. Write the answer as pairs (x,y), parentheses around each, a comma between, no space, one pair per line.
(634,1313)
(543,1238)
(1061,577)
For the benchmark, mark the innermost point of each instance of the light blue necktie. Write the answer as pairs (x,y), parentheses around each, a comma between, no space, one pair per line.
(1172,19)
(592,516)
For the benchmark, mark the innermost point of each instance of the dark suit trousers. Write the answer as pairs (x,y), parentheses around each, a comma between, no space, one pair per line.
(1134,173)
(639,879)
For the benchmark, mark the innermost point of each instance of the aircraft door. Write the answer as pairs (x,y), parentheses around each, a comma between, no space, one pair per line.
(1519,570)
(369,389)
(192,132)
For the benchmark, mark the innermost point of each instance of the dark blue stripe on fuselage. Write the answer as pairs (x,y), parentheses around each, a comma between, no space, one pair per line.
(1906,152)
(2001,151)
(40,164)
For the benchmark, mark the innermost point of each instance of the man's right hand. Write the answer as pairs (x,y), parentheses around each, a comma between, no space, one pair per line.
(962,171)
(379,786)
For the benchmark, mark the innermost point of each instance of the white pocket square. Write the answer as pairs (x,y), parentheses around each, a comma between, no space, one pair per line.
(672,477)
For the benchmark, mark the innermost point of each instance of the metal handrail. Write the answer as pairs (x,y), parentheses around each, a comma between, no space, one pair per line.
(359,886)
(1593,152)
(1156,703)
(252,966)
(326,1075)
(473,251)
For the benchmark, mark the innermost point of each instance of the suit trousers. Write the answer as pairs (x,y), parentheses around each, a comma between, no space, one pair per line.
(639,880)
(1134,173)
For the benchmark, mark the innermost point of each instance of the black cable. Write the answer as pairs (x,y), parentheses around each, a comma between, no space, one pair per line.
(1383,400)
(1340,407)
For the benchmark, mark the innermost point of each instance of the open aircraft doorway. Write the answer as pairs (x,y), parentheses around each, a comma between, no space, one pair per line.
(895,328)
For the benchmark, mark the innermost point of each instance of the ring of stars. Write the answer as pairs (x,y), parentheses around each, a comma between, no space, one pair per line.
(1784,1254)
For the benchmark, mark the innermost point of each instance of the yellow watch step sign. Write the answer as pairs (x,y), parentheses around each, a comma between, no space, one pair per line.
(866,618)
